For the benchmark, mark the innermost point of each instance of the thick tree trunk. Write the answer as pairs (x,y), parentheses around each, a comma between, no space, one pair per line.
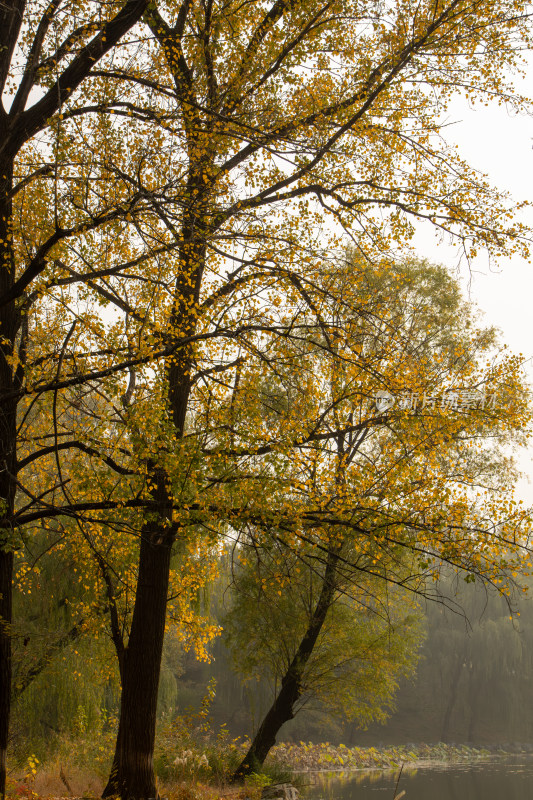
(9,324)
(6,573)
(282,709)
(132,774)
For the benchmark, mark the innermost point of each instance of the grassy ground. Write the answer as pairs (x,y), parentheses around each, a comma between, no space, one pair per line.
(76,783)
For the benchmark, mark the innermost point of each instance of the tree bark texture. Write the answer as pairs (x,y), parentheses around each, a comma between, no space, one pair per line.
(132,773)
(6,572)
(9,325)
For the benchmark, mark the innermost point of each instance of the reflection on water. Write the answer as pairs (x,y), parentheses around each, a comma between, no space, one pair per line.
(510,779)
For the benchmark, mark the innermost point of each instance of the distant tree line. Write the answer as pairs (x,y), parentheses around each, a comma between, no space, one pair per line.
(472,681)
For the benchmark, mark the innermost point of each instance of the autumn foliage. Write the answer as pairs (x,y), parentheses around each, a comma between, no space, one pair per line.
(188,351)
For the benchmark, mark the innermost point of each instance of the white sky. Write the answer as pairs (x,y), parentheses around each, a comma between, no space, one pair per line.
(500,145)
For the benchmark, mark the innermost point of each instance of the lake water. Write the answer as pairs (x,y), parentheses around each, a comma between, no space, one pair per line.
(496,779)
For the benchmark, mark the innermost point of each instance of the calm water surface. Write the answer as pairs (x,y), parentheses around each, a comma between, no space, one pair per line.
(510,779)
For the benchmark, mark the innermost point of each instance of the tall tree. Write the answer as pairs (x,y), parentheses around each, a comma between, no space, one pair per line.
(394,499)
(47,52)
(278,115)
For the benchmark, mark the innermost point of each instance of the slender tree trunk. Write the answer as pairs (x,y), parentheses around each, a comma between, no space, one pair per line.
(474,693)
(282,709)
(452,699)
(9,325)
(132,773)
(22,682)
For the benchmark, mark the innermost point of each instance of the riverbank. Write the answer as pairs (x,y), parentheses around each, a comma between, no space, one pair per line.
(202,772)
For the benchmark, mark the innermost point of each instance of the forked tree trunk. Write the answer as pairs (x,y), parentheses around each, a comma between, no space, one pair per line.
(282,709)
(132,773)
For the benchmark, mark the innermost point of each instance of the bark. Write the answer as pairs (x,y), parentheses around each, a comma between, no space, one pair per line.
(9,325)
(6,572)
(282,709)
(132,773)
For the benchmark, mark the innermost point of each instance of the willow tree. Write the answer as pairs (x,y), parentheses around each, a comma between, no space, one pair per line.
(408,473)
